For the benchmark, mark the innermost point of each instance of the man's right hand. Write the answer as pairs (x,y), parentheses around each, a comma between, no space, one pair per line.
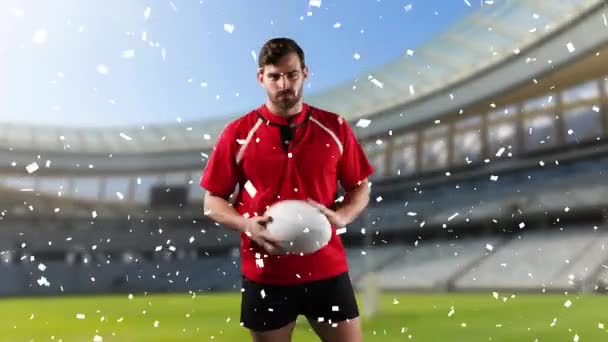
(255,229)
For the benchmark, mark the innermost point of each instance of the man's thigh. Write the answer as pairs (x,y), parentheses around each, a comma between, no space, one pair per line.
(330,301)
(266,307)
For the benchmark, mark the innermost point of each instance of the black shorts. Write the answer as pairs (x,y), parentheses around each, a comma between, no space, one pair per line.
(268,307)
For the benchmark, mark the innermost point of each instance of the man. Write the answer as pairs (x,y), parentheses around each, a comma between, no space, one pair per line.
(287,149)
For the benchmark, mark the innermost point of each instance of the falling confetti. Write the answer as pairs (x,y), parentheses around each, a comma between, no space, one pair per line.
(570,47)
(39,37)
(31,168)
(125,136)
(229,28)
(363,123)
(315,3)
(103,69)
(147,12)
(250,189)
(128,54)
(376,83)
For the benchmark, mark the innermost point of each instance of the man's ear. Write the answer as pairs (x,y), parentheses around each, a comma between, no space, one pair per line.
(260,76)
(305,72)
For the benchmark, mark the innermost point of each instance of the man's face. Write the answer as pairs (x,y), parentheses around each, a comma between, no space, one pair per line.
(284,81)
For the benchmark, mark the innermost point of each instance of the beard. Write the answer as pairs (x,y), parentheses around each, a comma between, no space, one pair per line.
(287,99)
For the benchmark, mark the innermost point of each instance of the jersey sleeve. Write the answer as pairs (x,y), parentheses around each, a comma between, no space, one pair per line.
(221,174)
(354,166)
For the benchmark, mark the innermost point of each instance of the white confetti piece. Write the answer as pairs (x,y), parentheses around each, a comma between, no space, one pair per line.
(553,323)
(467,3)
(600,325)
(33,167)
(250,189)
(451,312)
(452,217)
(595,109)
(489,247)
(522,225)
(97,338)
(337,25)
(493,178)
(335,308)
(568,303)
(356,56)
(57,210)
(315,3)
(120,195)
(125,136)
(263,294)
(94,214)
(566,209)
(39,37)
(16,12)
(605,19)
(48,164)
(156,323)
(409,52)
(411,213)
(570,132)
(191,240)
(41,267)
(229,28)
(376,83)
(340,231)
(495,295)
(363,123)
(500,152)
(575,339)
(147,13)
(408,7)
(80,316)
(570,47)
(43,282)
(103,69)
(128,54)
(412,92)
(254,56)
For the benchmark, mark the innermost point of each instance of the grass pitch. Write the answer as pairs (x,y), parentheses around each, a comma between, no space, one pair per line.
(215,317)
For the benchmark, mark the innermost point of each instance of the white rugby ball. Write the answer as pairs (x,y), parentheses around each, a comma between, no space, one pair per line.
(303,228)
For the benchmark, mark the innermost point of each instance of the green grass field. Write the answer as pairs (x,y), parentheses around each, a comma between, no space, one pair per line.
(215,317)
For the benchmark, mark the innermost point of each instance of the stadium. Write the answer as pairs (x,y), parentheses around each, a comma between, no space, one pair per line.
(487,220)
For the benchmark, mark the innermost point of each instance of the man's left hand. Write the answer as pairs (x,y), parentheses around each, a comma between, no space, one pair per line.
(334,217)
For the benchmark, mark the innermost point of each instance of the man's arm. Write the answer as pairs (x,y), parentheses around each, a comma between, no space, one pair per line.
(354,202)
(219,210)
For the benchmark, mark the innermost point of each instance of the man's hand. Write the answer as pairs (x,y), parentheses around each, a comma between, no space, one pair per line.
(255,229)
(334,217)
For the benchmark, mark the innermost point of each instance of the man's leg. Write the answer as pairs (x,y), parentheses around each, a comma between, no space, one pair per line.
(277,335)
(269,312)
(331,308)
(345,331)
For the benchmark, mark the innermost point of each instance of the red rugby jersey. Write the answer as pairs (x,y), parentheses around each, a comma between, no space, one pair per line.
(323,151)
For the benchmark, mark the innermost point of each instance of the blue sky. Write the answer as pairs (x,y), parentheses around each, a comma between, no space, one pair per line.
(116,62)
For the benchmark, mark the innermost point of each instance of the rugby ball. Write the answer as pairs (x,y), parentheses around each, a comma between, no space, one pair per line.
(303,228)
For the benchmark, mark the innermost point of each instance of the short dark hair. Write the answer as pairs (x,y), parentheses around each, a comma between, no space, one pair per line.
(277,48)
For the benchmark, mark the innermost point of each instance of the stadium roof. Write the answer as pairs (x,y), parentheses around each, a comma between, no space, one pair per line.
(486,37)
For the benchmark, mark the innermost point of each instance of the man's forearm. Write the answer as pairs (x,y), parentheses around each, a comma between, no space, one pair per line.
(354,202)
(220,211)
